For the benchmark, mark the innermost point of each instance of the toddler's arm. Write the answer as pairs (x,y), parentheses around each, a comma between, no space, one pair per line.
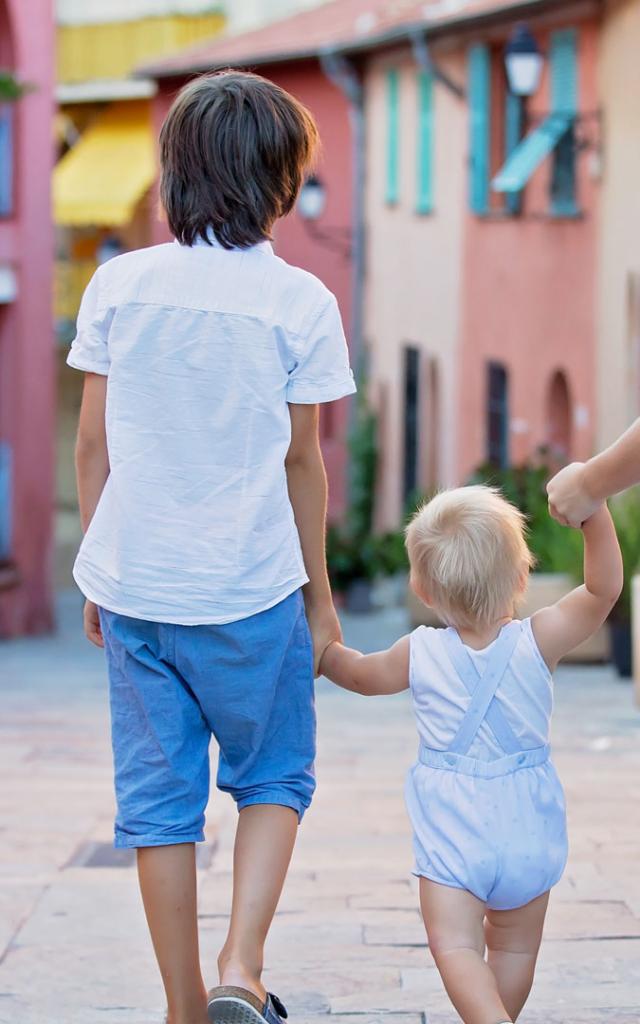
(563,626)
(577,490)
(369,674)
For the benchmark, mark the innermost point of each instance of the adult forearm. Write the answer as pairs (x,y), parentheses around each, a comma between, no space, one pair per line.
(307,482)
(92,471)
(617,468)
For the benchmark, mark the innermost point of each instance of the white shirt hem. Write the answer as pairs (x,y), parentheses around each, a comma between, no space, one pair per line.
(288,588)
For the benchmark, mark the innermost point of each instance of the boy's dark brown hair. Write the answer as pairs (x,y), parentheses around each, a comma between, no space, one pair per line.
(234,150)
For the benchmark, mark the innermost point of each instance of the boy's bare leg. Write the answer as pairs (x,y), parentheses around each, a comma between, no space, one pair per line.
(513,940)
(454,920)
(168,884)
(265,839)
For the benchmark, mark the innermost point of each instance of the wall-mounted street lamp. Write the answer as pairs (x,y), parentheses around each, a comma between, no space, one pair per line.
(312,199)
(311,205)
(523,62)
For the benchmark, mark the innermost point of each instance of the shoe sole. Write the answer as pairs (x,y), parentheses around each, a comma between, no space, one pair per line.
(229,1010)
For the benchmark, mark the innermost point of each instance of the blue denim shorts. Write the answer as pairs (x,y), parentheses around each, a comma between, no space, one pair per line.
(249,683)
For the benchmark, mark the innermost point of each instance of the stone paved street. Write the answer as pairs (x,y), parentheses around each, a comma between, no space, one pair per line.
(348,940)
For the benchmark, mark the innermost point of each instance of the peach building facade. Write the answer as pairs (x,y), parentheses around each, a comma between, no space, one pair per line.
(414,298)
(618,362)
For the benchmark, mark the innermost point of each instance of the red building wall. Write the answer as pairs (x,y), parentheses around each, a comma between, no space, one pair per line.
(26,336)
(294,243)
(529,299)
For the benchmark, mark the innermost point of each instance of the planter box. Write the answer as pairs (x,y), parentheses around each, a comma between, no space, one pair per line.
(544,589)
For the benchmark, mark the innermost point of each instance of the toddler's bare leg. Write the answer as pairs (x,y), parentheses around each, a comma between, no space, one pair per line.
(454,922)
(168,884)
(264,843)
(513,939)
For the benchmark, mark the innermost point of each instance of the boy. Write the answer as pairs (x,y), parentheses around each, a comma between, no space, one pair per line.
(580,488)
(203,495)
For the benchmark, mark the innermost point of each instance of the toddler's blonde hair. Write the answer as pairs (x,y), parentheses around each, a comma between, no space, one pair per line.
(469,555)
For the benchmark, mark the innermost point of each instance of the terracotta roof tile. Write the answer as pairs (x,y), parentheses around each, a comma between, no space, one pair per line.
(340,23)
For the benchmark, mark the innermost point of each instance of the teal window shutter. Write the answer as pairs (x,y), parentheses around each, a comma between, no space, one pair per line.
(564,72)
(563,59)
(6,160)
(512,137)
(393,136)
(479,76)
(424,199)
(529,154)
(6,500)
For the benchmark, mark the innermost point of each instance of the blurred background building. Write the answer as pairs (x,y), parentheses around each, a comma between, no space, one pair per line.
(26,336)
(474,209)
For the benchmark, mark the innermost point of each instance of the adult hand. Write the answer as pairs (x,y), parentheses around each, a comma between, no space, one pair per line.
(569,499)
(92,628)
(325,628)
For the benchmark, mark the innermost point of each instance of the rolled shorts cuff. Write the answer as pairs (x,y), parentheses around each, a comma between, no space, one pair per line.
(279,797)
(125,841)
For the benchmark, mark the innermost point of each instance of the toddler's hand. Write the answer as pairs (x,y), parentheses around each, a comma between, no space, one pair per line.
(325,628)
(569,500)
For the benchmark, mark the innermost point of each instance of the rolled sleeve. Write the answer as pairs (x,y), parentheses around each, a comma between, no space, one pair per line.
(322,372)
(89,348)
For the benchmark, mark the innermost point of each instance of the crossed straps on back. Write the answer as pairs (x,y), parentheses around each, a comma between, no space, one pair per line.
(482,686)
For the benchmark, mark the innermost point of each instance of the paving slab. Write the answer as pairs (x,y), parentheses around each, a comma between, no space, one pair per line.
(348,945)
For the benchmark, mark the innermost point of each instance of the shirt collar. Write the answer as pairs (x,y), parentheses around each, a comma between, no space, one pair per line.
(212,242)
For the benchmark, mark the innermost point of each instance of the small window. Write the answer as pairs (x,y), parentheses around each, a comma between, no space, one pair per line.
(411,423)
(563,176)
(392,194)
(497,415)
(424,198)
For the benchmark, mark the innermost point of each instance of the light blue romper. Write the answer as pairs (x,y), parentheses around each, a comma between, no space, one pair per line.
(484,799)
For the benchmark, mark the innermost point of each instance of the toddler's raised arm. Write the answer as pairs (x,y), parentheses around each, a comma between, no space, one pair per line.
(563,626)
(369,674)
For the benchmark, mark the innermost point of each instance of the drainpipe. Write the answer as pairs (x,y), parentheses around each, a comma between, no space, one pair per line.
(342,74)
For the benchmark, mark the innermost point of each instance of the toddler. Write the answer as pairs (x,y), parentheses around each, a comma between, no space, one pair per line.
(485,803)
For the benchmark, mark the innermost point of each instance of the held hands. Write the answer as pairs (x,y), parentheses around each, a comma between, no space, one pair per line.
(325,628)
(569,499)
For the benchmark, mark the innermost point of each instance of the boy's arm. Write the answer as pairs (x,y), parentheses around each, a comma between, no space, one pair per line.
(307,482)
(563,626)
(576,491)
(92,470)
(369,674)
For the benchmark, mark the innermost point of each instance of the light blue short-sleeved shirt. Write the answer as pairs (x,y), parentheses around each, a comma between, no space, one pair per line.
(203,349)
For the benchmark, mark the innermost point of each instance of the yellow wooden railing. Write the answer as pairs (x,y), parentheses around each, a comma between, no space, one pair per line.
(112,50)
(70,279)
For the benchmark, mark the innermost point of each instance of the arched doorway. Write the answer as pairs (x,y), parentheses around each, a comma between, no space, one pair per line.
(559,419)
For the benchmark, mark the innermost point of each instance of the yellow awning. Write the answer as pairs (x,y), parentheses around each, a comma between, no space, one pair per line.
(107,172)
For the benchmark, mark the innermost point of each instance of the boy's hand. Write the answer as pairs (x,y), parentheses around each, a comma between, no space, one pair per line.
(569,499)
(92,628)
(325,628)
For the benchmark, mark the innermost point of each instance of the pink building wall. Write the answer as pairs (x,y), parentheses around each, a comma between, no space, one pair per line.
(26,336)
(295,244)
(529,298)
